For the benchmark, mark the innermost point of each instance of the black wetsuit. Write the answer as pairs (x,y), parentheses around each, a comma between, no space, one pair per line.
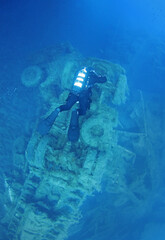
(84,97)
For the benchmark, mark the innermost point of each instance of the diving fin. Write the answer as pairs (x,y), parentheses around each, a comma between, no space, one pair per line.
(73,131)
(45,125)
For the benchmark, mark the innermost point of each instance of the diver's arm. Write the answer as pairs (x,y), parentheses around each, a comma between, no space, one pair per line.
(101,79)
(97,78)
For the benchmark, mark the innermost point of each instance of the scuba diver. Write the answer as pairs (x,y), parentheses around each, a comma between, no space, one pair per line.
(81,92)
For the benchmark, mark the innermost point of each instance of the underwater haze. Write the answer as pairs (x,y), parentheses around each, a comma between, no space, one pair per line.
(41,44)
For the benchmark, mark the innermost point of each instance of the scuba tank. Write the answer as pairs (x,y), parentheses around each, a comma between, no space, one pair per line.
(81,81)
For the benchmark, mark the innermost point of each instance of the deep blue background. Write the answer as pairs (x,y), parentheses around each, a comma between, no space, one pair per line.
(124,31)
(128,32)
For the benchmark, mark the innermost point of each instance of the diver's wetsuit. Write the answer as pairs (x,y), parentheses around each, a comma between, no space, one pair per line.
(81,92)
(84,97)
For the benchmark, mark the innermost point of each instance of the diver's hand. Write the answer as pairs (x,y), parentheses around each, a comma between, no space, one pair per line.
(45,125)
(102,79)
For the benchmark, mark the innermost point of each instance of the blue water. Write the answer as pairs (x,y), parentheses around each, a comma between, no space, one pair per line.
(127,32)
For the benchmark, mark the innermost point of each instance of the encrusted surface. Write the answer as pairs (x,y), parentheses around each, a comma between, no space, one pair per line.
(61,175)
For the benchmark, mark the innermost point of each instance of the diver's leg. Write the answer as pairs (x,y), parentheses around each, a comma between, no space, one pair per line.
(84,103)
(70,101)
(45,125)
(73,131)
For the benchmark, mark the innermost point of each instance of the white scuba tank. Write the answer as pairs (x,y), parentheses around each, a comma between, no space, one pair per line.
(81,81)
